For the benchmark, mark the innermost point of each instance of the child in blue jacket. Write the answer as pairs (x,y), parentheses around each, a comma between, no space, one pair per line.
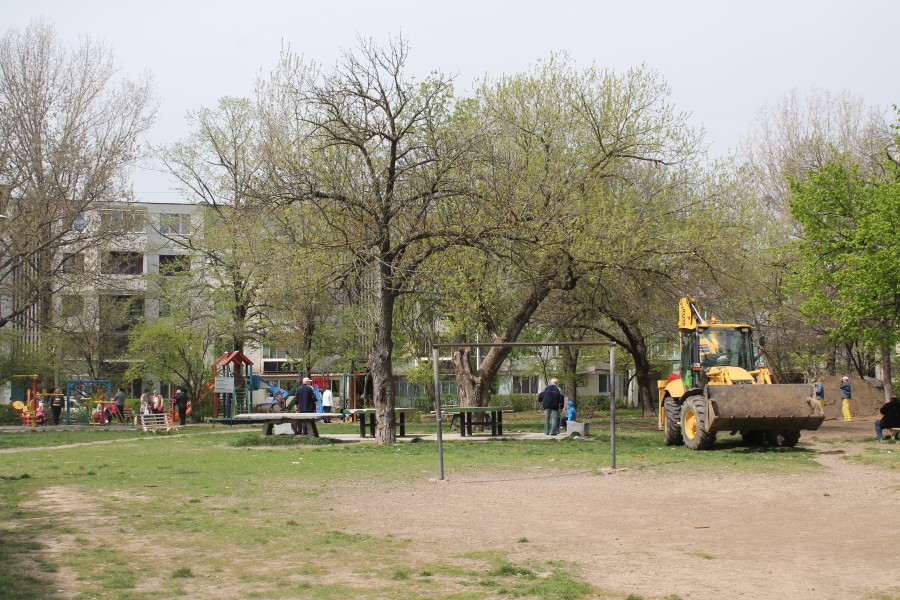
(570,414)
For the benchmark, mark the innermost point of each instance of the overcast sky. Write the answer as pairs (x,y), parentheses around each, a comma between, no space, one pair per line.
(724,60)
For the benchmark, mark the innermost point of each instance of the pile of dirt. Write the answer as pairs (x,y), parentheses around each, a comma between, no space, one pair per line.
(866,400)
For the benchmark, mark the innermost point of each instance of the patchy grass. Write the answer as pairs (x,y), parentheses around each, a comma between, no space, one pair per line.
(885,456)
(243,506)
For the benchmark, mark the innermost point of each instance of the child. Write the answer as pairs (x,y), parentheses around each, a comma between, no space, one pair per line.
(570,414)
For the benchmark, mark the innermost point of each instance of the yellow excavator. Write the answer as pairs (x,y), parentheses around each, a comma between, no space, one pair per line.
(724,387)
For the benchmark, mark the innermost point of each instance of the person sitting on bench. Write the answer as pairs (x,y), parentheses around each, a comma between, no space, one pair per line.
(890,417)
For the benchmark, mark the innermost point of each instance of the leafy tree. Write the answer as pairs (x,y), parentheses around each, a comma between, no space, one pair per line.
(849,252)
(567,147)
(178,346)
(220,167)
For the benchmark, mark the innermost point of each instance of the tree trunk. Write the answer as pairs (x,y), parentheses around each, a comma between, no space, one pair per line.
(570,378)
(886,373)
(474,387)
(382,371)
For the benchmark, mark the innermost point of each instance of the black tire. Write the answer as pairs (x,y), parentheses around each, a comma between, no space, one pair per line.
(783,439)
(693,425)
(754,438)
(672,423)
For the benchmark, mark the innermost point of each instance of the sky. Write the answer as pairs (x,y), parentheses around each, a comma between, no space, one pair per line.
(724,60)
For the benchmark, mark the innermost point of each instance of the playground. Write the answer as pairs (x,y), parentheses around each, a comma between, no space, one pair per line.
(534,518)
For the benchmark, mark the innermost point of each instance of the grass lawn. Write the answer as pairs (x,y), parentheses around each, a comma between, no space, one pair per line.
(216,504)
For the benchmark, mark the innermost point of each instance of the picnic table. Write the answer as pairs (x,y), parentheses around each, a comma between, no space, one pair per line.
(363,413)
(495,414)
(270,420)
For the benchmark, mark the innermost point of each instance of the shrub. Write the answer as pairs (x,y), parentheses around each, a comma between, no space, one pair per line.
(9,415)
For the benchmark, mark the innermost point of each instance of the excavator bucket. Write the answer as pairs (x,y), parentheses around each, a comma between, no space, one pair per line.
(763,407)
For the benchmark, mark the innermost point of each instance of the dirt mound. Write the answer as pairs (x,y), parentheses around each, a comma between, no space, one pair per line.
(866,400)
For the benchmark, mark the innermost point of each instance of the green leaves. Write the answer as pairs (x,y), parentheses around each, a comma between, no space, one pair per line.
(849,251)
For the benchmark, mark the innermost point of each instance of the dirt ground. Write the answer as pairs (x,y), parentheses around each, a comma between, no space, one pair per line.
(832,534)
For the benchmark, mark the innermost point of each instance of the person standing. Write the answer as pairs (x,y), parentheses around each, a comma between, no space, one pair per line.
(145,403)
(890,417)
(327,403)
(157,404)
(552,401)
(56,405)
(820,393)
(306,401)
(181,403)
(119,399)
(845,398)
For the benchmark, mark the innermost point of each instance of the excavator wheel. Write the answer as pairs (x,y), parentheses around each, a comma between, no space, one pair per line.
(693,425)
(672,431)
(754,437)
(783,439)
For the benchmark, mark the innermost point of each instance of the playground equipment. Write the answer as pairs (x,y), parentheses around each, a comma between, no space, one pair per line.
(232,373)
(30,405)
(86,390)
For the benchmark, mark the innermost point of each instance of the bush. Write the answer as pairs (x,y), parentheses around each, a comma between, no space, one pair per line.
(518,402)
(9,415)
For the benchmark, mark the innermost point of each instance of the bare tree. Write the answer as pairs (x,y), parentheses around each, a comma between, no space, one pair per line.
(372,169)
(69,131)
(803,132)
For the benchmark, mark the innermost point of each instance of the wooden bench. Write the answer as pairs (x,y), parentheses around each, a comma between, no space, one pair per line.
(891,432)
(157,421)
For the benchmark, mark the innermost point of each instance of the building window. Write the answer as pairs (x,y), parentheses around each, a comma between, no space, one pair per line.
(174,223)
(71,306)
(603,383)
(122,221)
(448,385)
(73,263)
(271,352)
(174,264)
(122,263)
(404,389)
(525,385)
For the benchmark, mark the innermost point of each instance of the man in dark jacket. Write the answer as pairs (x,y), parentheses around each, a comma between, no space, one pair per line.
(552,400)
(180,399)
(306,401)
(890,417)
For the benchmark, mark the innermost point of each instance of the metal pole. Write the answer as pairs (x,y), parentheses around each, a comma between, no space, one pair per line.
(437,414)
(612,405)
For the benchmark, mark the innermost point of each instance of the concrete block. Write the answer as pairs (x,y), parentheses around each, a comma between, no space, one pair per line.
(283,429)
(579,427)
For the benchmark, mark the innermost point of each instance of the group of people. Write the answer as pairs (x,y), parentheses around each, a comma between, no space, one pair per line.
(152,403)
(553,400)
(846,394)
(155,404)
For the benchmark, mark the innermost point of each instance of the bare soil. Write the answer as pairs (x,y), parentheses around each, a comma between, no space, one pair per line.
(828,534)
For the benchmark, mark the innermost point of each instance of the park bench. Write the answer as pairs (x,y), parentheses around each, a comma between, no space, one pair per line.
(891,432)
(157,421)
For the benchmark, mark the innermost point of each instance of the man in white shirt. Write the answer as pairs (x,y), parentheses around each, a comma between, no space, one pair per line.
(327,403)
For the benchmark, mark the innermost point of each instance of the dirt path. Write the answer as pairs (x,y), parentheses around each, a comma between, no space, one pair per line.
(816,536)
